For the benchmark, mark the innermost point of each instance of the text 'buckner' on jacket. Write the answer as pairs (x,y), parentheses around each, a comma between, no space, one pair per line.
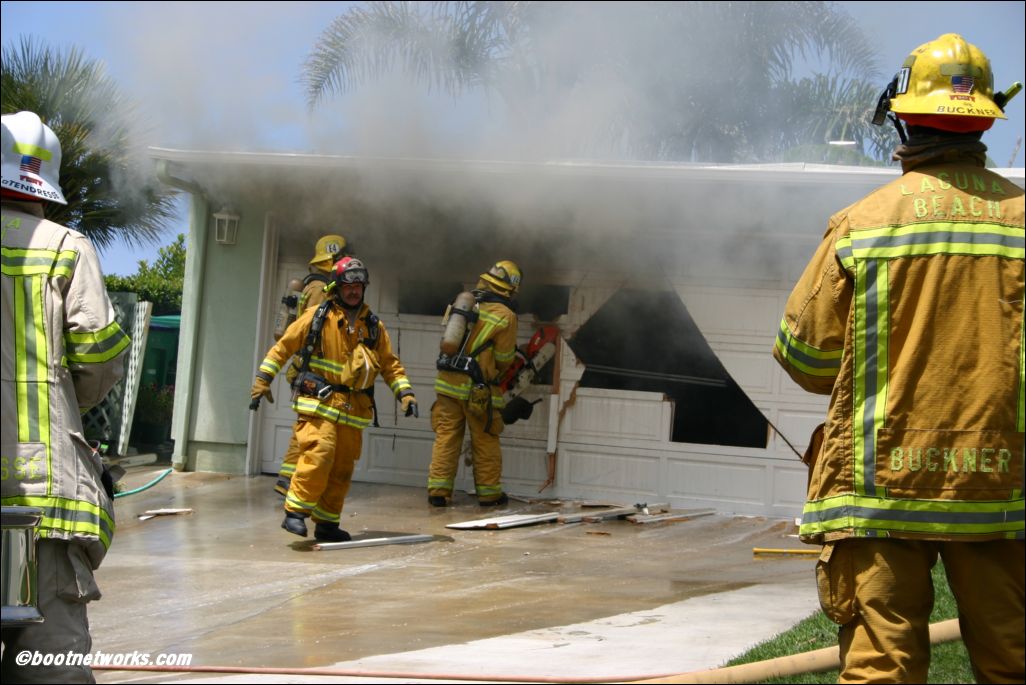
(338,346)
(911,314)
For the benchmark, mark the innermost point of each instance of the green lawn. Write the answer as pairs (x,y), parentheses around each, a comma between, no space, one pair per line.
(949,662)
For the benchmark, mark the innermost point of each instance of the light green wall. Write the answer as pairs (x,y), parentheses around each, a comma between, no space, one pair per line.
(223,356)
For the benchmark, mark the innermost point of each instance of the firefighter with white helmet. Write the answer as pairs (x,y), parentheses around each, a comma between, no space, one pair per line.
(910,316)
(467,385)
(310,292)
(342,347)
(62,352)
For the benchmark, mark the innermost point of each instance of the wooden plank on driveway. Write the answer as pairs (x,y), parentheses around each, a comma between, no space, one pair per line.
(504,521)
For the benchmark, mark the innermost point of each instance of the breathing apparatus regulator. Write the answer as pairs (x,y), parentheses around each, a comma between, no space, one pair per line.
(945,84)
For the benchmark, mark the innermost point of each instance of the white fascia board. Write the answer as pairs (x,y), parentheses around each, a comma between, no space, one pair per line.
(789,173)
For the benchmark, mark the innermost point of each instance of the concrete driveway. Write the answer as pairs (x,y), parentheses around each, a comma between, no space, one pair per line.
(610,601)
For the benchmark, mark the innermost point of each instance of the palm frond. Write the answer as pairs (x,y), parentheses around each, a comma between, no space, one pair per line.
(111,193)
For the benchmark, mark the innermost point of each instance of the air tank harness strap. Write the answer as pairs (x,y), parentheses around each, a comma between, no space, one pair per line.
(468,364)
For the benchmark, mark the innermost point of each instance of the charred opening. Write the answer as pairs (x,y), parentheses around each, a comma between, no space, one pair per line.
(427,299)
(642,340)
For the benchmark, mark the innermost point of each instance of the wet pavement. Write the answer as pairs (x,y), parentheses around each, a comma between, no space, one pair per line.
(613,600)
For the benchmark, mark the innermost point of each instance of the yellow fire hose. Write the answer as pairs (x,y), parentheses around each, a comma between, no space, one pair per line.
(784,666)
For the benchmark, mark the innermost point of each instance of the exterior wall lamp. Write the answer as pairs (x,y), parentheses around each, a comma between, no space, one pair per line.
(226,227)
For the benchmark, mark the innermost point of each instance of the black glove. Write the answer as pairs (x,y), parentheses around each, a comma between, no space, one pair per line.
(409,403)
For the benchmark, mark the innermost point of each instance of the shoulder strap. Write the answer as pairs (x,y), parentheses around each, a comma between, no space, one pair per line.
(313,337)
(310,278)
(373,330)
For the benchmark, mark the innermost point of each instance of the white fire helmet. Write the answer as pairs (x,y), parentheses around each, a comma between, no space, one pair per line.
(31,157)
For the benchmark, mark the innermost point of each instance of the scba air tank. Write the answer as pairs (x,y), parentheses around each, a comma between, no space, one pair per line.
(288,309)
(462,311)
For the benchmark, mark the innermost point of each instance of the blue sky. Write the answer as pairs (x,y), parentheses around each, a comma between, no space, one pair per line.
(224,75)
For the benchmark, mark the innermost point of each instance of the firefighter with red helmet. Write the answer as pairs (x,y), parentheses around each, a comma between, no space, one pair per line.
(342,348)
(310,292)
(910,316)
(63,351)
(467,386)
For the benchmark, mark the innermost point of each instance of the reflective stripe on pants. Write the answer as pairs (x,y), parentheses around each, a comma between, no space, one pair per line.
(324,471)
(450,419)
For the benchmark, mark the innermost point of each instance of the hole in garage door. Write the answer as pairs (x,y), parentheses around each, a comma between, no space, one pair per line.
(426,299)
(641,340)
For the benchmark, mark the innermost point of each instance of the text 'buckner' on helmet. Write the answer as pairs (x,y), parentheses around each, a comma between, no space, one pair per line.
(350,270)
(31,157)
(947,84)
(505,276)
(328,250)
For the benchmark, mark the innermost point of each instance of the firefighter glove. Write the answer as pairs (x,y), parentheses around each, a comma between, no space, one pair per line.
(409,405)
(261,388)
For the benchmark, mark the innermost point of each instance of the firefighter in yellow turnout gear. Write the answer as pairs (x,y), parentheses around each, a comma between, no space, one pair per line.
(910,315)
(344,347)
(328,250)
(468,392)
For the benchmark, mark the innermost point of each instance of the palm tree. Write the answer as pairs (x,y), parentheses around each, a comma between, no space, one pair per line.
(109,192)
(696,81)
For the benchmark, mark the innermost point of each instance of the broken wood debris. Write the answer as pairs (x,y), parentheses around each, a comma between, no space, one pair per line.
(615,512)
(639,513)
(671,517)
(511,521)
(374,542)
(150,513)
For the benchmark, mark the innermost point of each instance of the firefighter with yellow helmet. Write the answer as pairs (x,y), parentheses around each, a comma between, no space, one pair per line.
(62,352)
(310,292)
(478,345)
(343,347)
(910,316)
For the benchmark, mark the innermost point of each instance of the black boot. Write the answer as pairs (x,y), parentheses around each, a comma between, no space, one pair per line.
(437,501)
(330,532)
(494,502)
(281,486)
(295,523)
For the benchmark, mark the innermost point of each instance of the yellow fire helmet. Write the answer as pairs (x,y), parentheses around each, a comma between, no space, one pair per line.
(329,250)
(504,275)
(947,84)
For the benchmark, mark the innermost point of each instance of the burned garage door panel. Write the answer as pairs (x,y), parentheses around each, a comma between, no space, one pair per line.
(647,341)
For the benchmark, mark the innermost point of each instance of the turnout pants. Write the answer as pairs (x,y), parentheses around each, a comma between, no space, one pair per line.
(881,593)
(66,585)
(324,472)
(288,464)
(449,419)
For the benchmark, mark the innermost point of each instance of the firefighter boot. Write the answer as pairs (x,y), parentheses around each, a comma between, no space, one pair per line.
(501,500)
(437,501)
(281,486)
(295,523)
(330,532)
